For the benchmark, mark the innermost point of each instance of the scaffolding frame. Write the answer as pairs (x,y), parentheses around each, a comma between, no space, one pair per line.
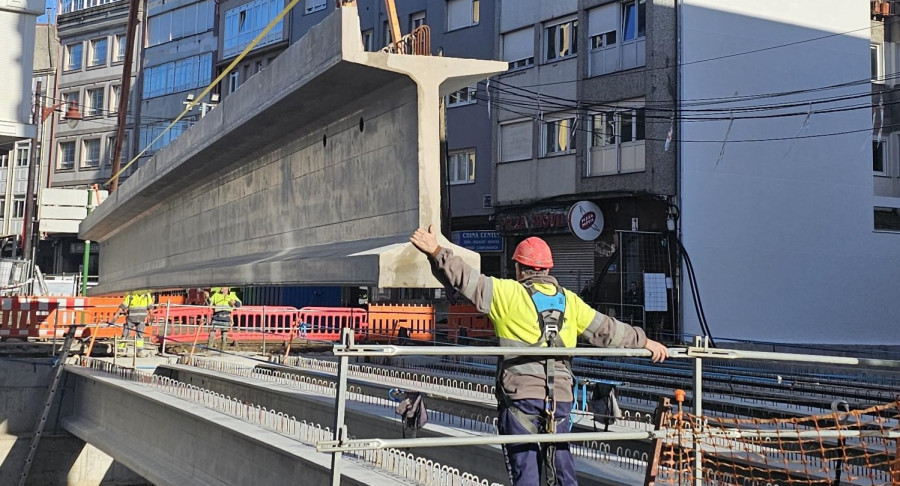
(348,348)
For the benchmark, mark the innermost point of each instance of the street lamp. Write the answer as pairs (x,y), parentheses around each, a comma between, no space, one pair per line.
(72,117)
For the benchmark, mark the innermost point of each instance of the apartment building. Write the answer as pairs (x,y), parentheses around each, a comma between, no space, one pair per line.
(178,59)
(238,22)
(93,45)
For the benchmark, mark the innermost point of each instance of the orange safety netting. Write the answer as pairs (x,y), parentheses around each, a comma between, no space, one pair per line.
(859,447)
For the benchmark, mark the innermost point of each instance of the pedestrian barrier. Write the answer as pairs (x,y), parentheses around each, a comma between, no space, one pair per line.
(386,321)
(464,321)
(325,323)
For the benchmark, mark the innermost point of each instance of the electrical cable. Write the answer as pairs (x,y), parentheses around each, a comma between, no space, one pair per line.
(496,104)
(728,56)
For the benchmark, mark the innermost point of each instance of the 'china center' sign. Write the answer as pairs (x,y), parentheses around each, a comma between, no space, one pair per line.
(480,241)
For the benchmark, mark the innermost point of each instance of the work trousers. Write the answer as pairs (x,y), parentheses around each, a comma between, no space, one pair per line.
(524,462)
(136,324)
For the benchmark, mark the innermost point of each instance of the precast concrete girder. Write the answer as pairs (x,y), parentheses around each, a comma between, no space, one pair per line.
(315,171)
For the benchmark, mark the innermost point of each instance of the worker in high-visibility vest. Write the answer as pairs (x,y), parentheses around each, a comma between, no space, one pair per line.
(223,301)
(136,307)
(534,394)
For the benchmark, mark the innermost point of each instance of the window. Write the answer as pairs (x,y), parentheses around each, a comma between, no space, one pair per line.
(181,75)
(23,154)
(617,33)
(98,51)
(561,41)
(465,96)
(887,219)
(94,102)
(74,55)
(368,40)
(877,54)
(518,48)
(90,153)
(18,207)
(2,207)
(245,22)
(416,20)
(66,158)
(111,148)
(634,20)
(114,91)
(181,22)
(515,140)
(121,48)
(462,13)
(150,132)
(461,167)
(879,157)
(617,139)
(558,136)
(4,162)
(234,81)
(314,5)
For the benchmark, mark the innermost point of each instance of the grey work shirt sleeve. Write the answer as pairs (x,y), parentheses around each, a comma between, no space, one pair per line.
(454,273)
(606,332)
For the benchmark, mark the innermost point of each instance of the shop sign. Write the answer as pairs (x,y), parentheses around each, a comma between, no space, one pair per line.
(480,241)
(585,220)
(536,220)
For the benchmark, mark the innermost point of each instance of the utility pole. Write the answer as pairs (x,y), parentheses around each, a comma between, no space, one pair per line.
(124,92)
(30,192)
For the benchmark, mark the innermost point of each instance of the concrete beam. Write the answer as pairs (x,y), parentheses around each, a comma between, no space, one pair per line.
(315,171)
(172,442)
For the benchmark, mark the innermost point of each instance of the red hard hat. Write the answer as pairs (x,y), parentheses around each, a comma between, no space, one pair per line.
(533,252)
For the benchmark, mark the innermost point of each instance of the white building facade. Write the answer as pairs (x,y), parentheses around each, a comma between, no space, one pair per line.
(777,197)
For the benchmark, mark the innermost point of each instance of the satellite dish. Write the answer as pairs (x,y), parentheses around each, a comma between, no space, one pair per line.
(585,220)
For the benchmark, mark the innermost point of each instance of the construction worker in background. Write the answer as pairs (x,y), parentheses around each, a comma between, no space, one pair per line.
(534,395)
(136,308)
(223,301)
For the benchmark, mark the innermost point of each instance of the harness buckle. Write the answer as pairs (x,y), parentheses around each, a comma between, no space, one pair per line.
(549,421)
(550,331)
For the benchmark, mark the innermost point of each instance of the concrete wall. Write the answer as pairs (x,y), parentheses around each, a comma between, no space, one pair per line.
(173,442)
(781,232)
(61,459)
(318,174)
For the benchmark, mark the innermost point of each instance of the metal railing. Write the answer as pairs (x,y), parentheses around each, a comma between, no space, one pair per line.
(341,441)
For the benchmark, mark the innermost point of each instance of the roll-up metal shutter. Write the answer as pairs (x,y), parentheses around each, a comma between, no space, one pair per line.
(573,261)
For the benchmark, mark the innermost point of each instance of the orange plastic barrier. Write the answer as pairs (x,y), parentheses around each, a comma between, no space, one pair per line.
(385,320)
(466,321)
(46,317)
(182,325)
(325,323)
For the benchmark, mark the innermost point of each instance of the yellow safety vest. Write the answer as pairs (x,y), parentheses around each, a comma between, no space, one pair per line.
(516,321)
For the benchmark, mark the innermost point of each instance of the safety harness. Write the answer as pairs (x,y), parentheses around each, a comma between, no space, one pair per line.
(551,310)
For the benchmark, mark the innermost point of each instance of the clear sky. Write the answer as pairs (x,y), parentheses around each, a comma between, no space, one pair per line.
(51,5)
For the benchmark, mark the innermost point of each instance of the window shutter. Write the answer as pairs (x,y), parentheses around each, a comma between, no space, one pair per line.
(515,141)
(459,14)
(603,19)
(518,45)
